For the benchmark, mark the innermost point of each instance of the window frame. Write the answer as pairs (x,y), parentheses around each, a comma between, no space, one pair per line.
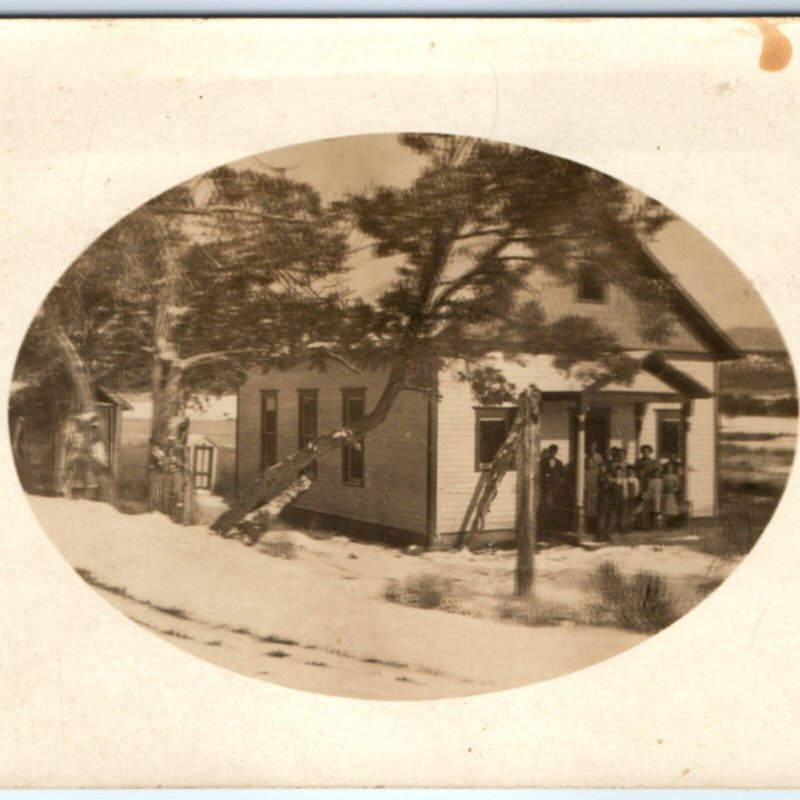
(266,394)
(348,449)
(671,415)
(583,273)
(491,414)
(303,437)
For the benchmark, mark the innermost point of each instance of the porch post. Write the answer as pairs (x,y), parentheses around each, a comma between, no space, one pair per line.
(686,424)
(639,410)
(580,466)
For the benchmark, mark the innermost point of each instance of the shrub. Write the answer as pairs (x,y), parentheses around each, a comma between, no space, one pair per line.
(641,602)
(527,611)
(278,547)
(421,591)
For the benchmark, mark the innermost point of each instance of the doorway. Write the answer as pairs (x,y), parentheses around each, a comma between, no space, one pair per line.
(598,431)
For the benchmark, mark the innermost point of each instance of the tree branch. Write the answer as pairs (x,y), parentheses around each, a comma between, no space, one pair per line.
(335,357)
(214,355)
(210,210)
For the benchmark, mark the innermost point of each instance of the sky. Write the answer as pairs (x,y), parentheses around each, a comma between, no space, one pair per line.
(336,167)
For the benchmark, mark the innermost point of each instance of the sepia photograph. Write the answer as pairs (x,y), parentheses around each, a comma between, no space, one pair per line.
(399,402)
(403,416)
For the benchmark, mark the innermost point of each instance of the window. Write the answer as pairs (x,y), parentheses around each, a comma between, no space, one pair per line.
(353,454)
(591,286)
(491,428)
(269,429)
(307,412)
(669,435)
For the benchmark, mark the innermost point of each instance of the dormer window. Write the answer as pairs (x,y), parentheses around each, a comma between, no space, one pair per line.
(591,286)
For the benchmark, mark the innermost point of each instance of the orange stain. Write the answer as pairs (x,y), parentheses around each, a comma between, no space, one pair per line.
(776,49)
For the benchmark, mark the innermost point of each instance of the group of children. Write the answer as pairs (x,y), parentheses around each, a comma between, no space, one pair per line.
(620,495)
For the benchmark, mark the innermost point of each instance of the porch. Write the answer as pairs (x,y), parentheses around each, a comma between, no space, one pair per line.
(612,415)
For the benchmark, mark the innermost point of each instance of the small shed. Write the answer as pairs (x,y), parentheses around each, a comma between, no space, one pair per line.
(204,462)
(35,426)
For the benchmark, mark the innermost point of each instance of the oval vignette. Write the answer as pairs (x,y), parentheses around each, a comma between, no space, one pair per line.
(403,416)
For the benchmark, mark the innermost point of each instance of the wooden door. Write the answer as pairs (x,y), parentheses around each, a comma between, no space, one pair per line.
(203,466)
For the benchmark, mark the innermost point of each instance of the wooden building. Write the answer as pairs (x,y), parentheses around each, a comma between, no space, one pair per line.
(416,476)
(35,426)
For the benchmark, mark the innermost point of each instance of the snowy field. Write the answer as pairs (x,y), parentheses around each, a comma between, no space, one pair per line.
(319,621)
(772,432)
(213,408)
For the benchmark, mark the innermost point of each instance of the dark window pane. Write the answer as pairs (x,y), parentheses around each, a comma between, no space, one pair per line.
(353,410)
(491,434)
(669,438)
(590,285)
(355,463)
(269,429)
(307,420)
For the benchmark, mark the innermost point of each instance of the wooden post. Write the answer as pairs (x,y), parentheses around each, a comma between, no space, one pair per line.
(580,468)
(686,420)
(639,410)
(527,464)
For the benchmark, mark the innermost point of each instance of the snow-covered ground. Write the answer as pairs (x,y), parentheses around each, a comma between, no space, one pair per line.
(319,621)
(782,431)
(776,426)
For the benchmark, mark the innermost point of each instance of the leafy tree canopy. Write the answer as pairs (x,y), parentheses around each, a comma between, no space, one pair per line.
(480,218)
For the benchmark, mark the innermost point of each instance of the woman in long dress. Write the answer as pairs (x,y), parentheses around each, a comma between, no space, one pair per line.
(672,490)
(654,498)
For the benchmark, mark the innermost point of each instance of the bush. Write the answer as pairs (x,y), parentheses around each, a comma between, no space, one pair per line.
(536,614)
(639,603)
(280,546)
(421,591)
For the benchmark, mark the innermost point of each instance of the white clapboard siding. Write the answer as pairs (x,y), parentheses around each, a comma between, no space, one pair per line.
(457,476)
(617,315)
(395,487)
(701,444)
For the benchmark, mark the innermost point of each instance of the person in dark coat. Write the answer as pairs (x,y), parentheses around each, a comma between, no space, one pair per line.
(552,479)
(646,465)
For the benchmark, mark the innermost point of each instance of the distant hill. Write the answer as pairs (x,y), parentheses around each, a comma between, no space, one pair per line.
(758,375)
(762,340)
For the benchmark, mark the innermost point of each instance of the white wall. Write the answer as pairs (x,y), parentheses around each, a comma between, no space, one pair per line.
(457,477)
(395,485)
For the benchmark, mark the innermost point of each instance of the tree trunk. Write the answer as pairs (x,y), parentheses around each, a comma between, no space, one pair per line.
(255,524)
(83,456)
(170,479)
(527,463)
(282,475)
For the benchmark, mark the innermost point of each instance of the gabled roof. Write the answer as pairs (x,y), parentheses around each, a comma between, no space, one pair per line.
(693,314)
(657,365)
(656,379)
(110,396)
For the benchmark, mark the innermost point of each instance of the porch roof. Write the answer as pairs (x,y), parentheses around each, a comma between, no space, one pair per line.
(656,380)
